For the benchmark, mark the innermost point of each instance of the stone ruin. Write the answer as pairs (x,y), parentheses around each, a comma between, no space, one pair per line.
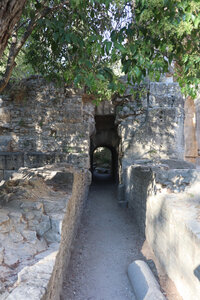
(47,140)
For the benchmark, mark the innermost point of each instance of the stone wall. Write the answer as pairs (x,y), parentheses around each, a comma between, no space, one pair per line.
(36,117)
(172,231)
(82,180)
(39,118)
(151,127)
(40,213)
(166,205)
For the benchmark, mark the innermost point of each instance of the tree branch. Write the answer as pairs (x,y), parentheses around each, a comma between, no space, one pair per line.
(10,13)
(16,46)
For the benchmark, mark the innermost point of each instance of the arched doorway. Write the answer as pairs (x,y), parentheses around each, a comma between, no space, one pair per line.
(106,137)
(104,160)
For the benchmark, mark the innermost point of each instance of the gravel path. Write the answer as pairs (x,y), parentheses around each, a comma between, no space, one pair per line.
(107,242)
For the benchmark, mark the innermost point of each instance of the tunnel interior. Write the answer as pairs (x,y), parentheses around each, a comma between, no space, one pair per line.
(102,160)
(104,147)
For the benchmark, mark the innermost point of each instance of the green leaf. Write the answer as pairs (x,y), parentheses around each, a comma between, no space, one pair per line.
(100,76)
(113,36)
(126,66)
(138,73)
(196,22)
(108,46)
(88,64)
(120,47)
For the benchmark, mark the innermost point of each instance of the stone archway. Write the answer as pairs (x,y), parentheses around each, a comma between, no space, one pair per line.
(106,136)
(114,161)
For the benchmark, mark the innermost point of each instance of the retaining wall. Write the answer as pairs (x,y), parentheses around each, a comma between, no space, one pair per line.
(71,221)
(40,276)
(10,162)
(166,206)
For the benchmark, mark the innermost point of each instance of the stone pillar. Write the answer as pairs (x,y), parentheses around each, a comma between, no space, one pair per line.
(190,131)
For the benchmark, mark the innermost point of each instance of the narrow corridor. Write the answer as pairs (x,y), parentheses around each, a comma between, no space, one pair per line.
(107,242)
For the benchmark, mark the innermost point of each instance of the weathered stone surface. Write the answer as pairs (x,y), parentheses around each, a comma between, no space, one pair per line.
(12,161)
(69,228)
(5,142)
(144,284)
(190,131)
(172,230)
(3,218)
(155,137)
(165,95)
(151,128)
(177,164)
(35,160)
(31,229)
(105,108)
(24,292)
(1,254)
(4,117)
(166,205)
(59,130)
(7,174)
(10,258)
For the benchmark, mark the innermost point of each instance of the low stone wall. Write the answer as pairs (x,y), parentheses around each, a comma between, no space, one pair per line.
(138,182)
(166,206)
(10,162)
(40,215)
(69,228)
(173,233)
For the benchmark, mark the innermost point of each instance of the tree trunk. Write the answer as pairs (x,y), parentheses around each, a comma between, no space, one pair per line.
(10,13)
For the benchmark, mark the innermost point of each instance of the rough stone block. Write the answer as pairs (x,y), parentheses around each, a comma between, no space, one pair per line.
(143,281)
(1,175)
(158,136)
(5,142)
(178,164)
(35,159)
(14,161)
(64,179)
(2,161)
(7,174)
(165,94)
(138,184)
(4,116)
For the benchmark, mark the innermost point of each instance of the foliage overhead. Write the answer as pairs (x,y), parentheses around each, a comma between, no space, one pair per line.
(82,41)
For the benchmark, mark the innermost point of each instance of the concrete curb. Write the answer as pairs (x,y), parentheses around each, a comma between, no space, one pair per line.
(143,282)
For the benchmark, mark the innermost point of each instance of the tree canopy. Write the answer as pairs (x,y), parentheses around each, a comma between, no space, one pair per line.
(82,42)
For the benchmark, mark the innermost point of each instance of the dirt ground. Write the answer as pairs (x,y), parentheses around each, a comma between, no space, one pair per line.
(107,242)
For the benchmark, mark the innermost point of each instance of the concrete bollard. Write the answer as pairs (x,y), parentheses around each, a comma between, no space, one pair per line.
(144,284)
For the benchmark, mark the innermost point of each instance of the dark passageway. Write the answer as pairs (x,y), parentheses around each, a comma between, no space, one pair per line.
(104,161)
(104,145)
